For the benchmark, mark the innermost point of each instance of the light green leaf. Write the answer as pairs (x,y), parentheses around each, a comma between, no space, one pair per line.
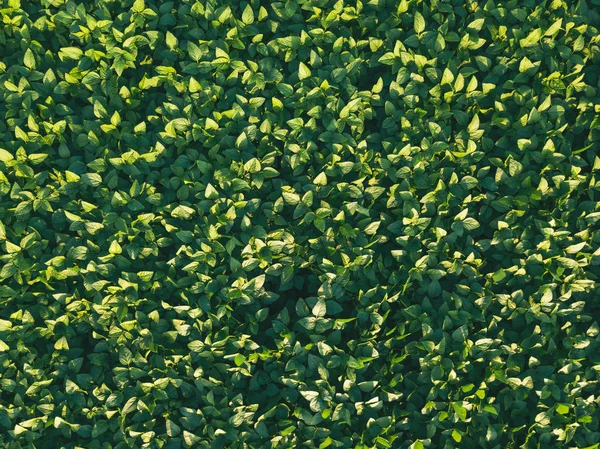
(29,59)
(474,124)
(253,166)
(303,71)
(476,24)
(196,54)
(171,40)
(447,76)
(91,179)
(554,28)
(248,15)
(372,228)
(532,38)
(74,53)
(291,198)
(138,6)
(419,22)
(210,192)
(320,179)
(388,58)
(320,308)
(61,344)
(470,223)
(182,211)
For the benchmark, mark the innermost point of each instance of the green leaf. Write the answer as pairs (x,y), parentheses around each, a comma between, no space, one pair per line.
(171,40)
(499,275)
(61,344)
(326,443)
(291,198)
(196,346)
(474,124)
(372,228)
(73,53)
(419,22)
(388,58)
(447,76)
(320,308)
(29,59)
(115,248)
(574,249)
(210,192)
(303,71)
(253,166)
(172,429)
(476,24)
(239,360)
(90,80)
(183,212)
(470,224)
(91,179)
(196,54)
(532,38)
(248,15)
(210,124)
(138,6)
(554,28)
(5,156)
(320,179)
(461,334)
(460,410)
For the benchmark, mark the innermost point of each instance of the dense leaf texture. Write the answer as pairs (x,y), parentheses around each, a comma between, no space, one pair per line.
(351,224)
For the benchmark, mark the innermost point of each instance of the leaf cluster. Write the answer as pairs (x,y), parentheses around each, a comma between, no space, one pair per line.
(299,224)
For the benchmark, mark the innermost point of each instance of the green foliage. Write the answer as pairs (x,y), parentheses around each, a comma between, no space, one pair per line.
(300,223)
